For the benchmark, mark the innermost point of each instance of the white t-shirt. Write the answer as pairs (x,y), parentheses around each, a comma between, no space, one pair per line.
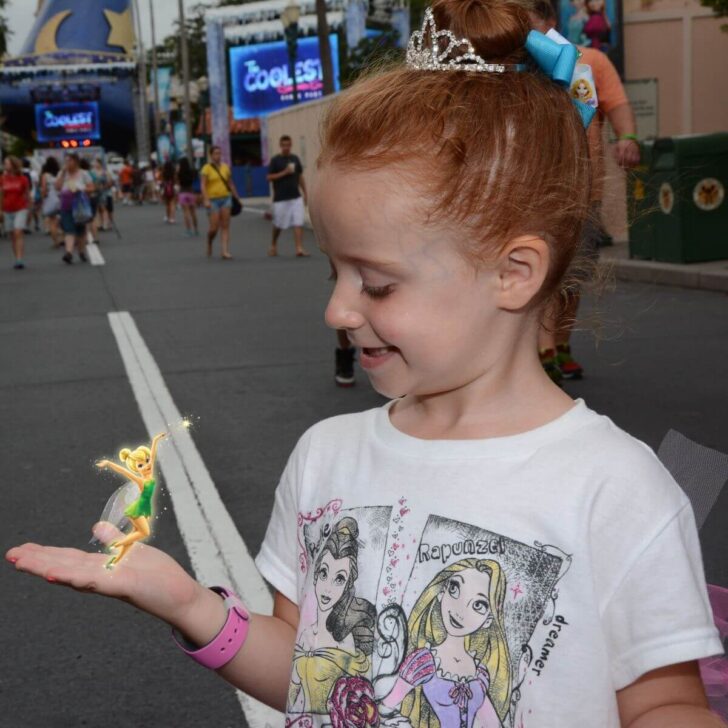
(512,581)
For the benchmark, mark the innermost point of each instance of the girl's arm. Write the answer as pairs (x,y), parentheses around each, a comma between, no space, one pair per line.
(60,180)
(670,697)
(269,645)
(156,584)
(203,189)
(122,471)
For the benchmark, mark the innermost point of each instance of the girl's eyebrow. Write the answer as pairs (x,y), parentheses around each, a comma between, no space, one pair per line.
(370,262)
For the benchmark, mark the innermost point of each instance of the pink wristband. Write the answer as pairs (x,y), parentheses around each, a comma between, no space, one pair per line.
(228,641)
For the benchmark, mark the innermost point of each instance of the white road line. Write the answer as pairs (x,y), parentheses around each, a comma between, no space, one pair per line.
(217,552)
(94,254)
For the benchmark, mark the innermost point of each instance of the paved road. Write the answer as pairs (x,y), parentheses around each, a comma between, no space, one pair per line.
(242,346)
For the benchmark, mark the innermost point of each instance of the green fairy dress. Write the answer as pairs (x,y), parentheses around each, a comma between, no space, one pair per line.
(142,506)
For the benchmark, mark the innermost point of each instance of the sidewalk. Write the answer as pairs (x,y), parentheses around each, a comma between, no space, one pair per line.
(706,276)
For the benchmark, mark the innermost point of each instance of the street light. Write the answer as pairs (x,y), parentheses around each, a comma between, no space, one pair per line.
(289,18)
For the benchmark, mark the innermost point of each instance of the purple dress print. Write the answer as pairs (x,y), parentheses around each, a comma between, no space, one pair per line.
(455,701)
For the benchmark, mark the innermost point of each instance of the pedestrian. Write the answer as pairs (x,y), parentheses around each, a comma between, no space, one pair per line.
(33,222)
(560,317)
(218,190)
(481,550)
(15,188)
(186,177)
(105,187)
(152,182)
(289,196)
(345,354)
(51,202)
(126,180)
(75,187)
(138,181)
(94,198)
(169,191)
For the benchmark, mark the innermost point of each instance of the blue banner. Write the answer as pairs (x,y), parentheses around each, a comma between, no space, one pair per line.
(164,83)
(55,122)
(180,138)
(261,78)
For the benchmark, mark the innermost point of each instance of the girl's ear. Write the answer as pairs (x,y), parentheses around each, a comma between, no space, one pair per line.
(522,269)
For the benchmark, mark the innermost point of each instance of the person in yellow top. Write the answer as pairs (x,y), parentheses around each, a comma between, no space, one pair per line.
(218,190)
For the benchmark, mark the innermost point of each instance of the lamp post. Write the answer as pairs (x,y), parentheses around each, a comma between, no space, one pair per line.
(289,18)
(204,100)
(187,114)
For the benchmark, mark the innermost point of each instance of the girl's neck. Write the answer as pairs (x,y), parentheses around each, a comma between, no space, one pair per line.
(511,395)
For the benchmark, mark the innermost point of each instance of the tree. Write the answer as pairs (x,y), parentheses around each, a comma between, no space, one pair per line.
(322,25)
(372,51)
(720,8)
(5,31)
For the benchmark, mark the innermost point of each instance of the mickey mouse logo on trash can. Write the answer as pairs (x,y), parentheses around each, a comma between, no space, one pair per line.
(667,197)
(708,194)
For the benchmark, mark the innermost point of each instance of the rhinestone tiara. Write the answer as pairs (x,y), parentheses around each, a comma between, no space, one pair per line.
(424,52)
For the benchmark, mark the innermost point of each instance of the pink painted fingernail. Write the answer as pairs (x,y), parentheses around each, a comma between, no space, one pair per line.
(12,559)
(50,578)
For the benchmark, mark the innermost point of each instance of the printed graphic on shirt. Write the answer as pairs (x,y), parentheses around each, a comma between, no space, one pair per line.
(432,632)
(337,629)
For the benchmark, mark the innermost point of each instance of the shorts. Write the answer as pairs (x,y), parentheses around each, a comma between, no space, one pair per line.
(126,189)
(288,213)
(70,226)
(16,220)
(187,198)
(218,203)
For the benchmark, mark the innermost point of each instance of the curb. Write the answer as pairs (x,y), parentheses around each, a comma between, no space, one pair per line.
(711,276)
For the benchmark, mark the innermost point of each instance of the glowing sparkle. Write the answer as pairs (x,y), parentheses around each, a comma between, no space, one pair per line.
(186,423)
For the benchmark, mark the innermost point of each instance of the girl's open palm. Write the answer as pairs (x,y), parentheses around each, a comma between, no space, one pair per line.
(148,578)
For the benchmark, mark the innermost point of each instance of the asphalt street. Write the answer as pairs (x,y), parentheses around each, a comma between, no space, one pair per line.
(242,347)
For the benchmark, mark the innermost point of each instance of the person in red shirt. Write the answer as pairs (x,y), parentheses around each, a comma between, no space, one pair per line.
(15,188)
(126,179)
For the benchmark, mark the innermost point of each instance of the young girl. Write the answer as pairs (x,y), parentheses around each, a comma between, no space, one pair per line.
(554,561)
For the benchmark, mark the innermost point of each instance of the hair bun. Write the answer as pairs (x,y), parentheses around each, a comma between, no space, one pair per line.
(496,28)
(124,454)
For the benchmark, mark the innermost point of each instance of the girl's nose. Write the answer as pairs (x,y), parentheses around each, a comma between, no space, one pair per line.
(341,313)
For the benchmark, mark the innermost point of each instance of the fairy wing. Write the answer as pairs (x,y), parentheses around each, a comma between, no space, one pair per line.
(114,509)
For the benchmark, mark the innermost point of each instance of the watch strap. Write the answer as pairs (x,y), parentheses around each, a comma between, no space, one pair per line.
(228,641)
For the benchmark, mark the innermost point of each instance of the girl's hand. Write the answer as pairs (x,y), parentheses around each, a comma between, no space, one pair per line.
(102,464)
(146,578)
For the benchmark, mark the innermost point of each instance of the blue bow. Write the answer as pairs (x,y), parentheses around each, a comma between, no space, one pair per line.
(557,61)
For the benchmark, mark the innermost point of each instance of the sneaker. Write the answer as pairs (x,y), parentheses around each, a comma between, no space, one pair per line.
(83,257)
(67,258)
(19,265)
(570,369)
(550,365)
(345,367)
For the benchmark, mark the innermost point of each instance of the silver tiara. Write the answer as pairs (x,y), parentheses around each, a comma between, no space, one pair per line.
(424,52)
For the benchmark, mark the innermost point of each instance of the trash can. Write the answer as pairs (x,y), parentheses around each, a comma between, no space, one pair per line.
(677,207)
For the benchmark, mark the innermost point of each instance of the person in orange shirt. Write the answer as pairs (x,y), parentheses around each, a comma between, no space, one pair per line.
(126,180)
(554,346)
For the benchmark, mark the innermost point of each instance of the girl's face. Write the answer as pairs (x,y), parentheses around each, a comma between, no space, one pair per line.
(8,167)
(331,580)
(425,320)
(464,603)
(216,156)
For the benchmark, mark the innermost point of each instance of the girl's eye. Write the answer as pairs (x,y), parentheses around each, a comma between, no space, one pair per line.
(323,573)
(377,292)
(481,607)
(453,589)
(339,580)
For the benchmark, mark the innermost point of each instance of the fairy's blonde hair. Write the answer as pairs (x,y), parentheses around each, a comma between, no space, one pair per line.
(131,457)
(488,645)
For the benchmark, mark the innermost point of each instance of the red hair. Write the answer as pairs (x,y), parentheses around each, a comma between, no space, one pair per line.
(502,154)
